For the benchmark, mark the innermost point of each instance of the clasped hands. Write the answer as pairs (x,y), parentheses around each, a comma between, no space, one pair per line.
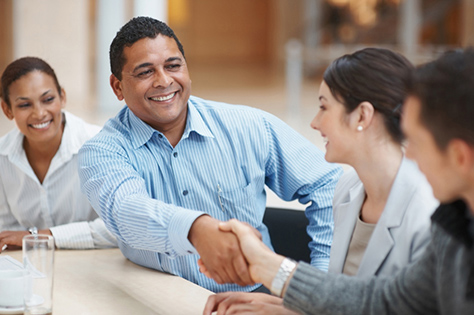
(246,259)
(231,252)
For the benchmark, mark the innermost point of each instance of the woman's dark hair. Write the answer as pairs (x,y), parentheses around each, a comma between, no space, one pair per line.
(445,88)
(134,30)
(21,67)
(375,75)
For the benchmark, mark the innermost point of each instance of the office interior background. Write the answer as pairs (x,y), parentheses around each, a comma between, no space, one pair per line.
(268,54)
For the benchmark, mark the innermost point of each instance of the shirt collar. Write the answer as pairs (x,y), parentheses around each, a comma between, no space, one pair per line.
(70,141)
(12,144)
(73,135)
(70,145)
(195,123)
(141,132)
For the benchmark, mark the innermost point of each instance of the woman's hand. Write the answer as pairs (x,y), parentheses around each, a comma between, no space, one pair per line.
(14,239)
(221,302)
(245,303)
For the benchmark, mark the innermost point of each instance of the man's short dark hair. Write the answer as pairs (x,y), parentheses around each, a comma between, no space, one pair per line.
(445,88)
(136,29)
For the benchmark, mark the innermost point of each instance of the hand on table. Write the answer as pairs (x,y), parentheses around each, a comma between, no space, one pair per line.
(245,302)
(14,239)
(219,251)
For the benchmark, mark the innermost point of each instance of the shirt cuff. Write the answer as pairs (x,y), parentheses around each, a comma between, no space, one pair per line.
(178,231)
(73,236)
(321,263)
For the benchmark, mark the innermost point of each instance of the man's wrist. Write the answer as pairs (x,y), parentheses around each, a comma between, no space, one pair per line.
(196,228)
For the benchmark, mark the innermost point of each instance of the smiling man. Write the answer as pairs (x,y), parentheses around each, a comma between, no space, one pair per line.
(170,166)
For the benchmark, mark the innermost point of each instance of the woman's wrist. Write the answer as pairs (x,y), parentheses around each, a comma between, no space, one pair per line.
(287,282)
(267,268)
(282,277)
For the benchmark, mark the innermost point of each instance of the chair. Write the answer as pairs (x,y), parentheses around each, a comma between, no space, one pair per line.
(287,229)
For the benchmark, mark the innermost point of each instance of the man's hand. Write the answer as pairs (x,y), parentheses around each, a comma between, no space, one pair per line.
(14,239)
(245,303)
(219,251)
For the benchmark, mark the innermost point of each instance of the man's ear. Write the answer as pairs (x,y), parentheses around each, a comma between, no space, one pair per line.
(116,87)
(461,155)
(362,116)
(6,110)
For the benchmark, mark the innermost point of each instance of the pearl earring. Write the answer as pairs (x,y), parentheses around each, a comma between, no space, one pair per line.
(360,128)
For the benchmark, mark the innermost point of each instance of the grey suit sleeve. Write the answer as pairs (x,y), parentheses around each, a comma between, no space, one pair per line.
(411,291)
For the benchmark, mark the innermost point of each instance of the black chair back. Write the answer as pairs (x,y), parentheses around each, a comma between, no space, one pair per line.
(287,230)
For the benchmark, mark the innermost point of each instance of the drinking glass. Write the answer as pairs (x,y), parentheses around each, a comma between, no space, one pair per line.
(38,259)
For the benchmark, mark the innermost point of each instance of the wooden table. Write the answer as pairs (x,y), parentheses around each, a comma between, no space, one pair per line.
(105,282)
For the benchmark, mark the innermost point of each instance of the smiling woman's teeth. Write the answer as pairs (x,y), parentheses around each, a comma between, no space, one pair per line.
(40,126)
(163,98)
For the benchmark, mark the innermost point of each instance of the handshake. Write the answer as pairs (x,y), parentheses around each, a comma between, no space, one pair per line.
(257,260)
(252,262)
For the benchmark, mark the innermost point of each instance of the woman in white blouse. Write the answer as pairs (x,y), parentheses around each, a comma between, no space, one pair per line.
(383,204)
(39,183)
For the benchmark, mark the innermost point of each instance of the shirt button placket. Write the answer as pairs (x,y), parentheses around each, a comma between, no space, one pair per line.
(185,192)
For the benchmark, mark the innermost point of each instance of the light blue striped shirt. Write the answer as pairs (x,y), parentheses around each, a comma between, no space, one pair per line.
(149,193)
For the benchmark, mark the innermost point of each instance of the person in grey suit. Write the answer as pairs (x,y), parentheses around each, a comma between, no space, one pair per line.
(437,120)
(382,206)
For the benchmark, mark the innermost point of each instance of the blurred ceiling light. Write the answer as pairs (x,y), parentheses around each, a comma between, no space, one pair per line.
(339,3)
(364,11)
(178,13)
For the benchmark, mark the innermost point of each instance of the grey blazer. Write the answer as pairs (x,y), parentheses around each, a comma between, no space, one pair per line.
(402,231)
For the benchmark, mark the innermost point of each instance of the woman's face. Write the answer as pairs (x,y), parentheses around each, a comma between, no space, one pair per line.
(36,107)
(332,122)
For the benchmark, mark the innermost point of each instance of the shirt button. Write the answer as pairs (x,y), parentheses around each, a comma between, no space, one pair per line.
(185,192)
(160,136)
(175,154)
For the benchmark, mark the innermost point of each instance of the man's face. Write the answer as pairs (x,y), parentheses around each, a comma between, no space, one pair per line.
(433,162)
(155,83)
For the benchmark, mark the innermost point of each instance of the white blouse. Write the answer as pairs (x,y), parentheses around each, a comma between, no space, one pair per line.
(58,203)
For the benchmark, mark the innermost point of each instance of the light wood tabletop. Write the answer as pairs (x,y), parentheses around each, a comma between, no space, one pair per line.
(105,282)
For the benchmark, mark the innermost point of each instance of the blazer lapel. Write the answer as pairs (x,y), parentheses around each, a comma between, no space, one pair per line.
(381,241)
(347,214)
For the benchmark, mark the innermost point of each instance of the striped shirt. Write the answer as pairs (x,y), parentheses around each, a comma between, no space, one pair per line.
(149,193)
(57,202)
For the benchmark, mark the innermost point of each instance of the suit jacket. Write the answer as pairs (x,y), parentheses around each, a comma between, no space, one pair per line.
(402,231)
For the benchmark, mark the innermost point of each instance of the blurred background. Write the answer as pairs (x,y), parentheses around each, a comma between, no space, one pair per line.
(268,54)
